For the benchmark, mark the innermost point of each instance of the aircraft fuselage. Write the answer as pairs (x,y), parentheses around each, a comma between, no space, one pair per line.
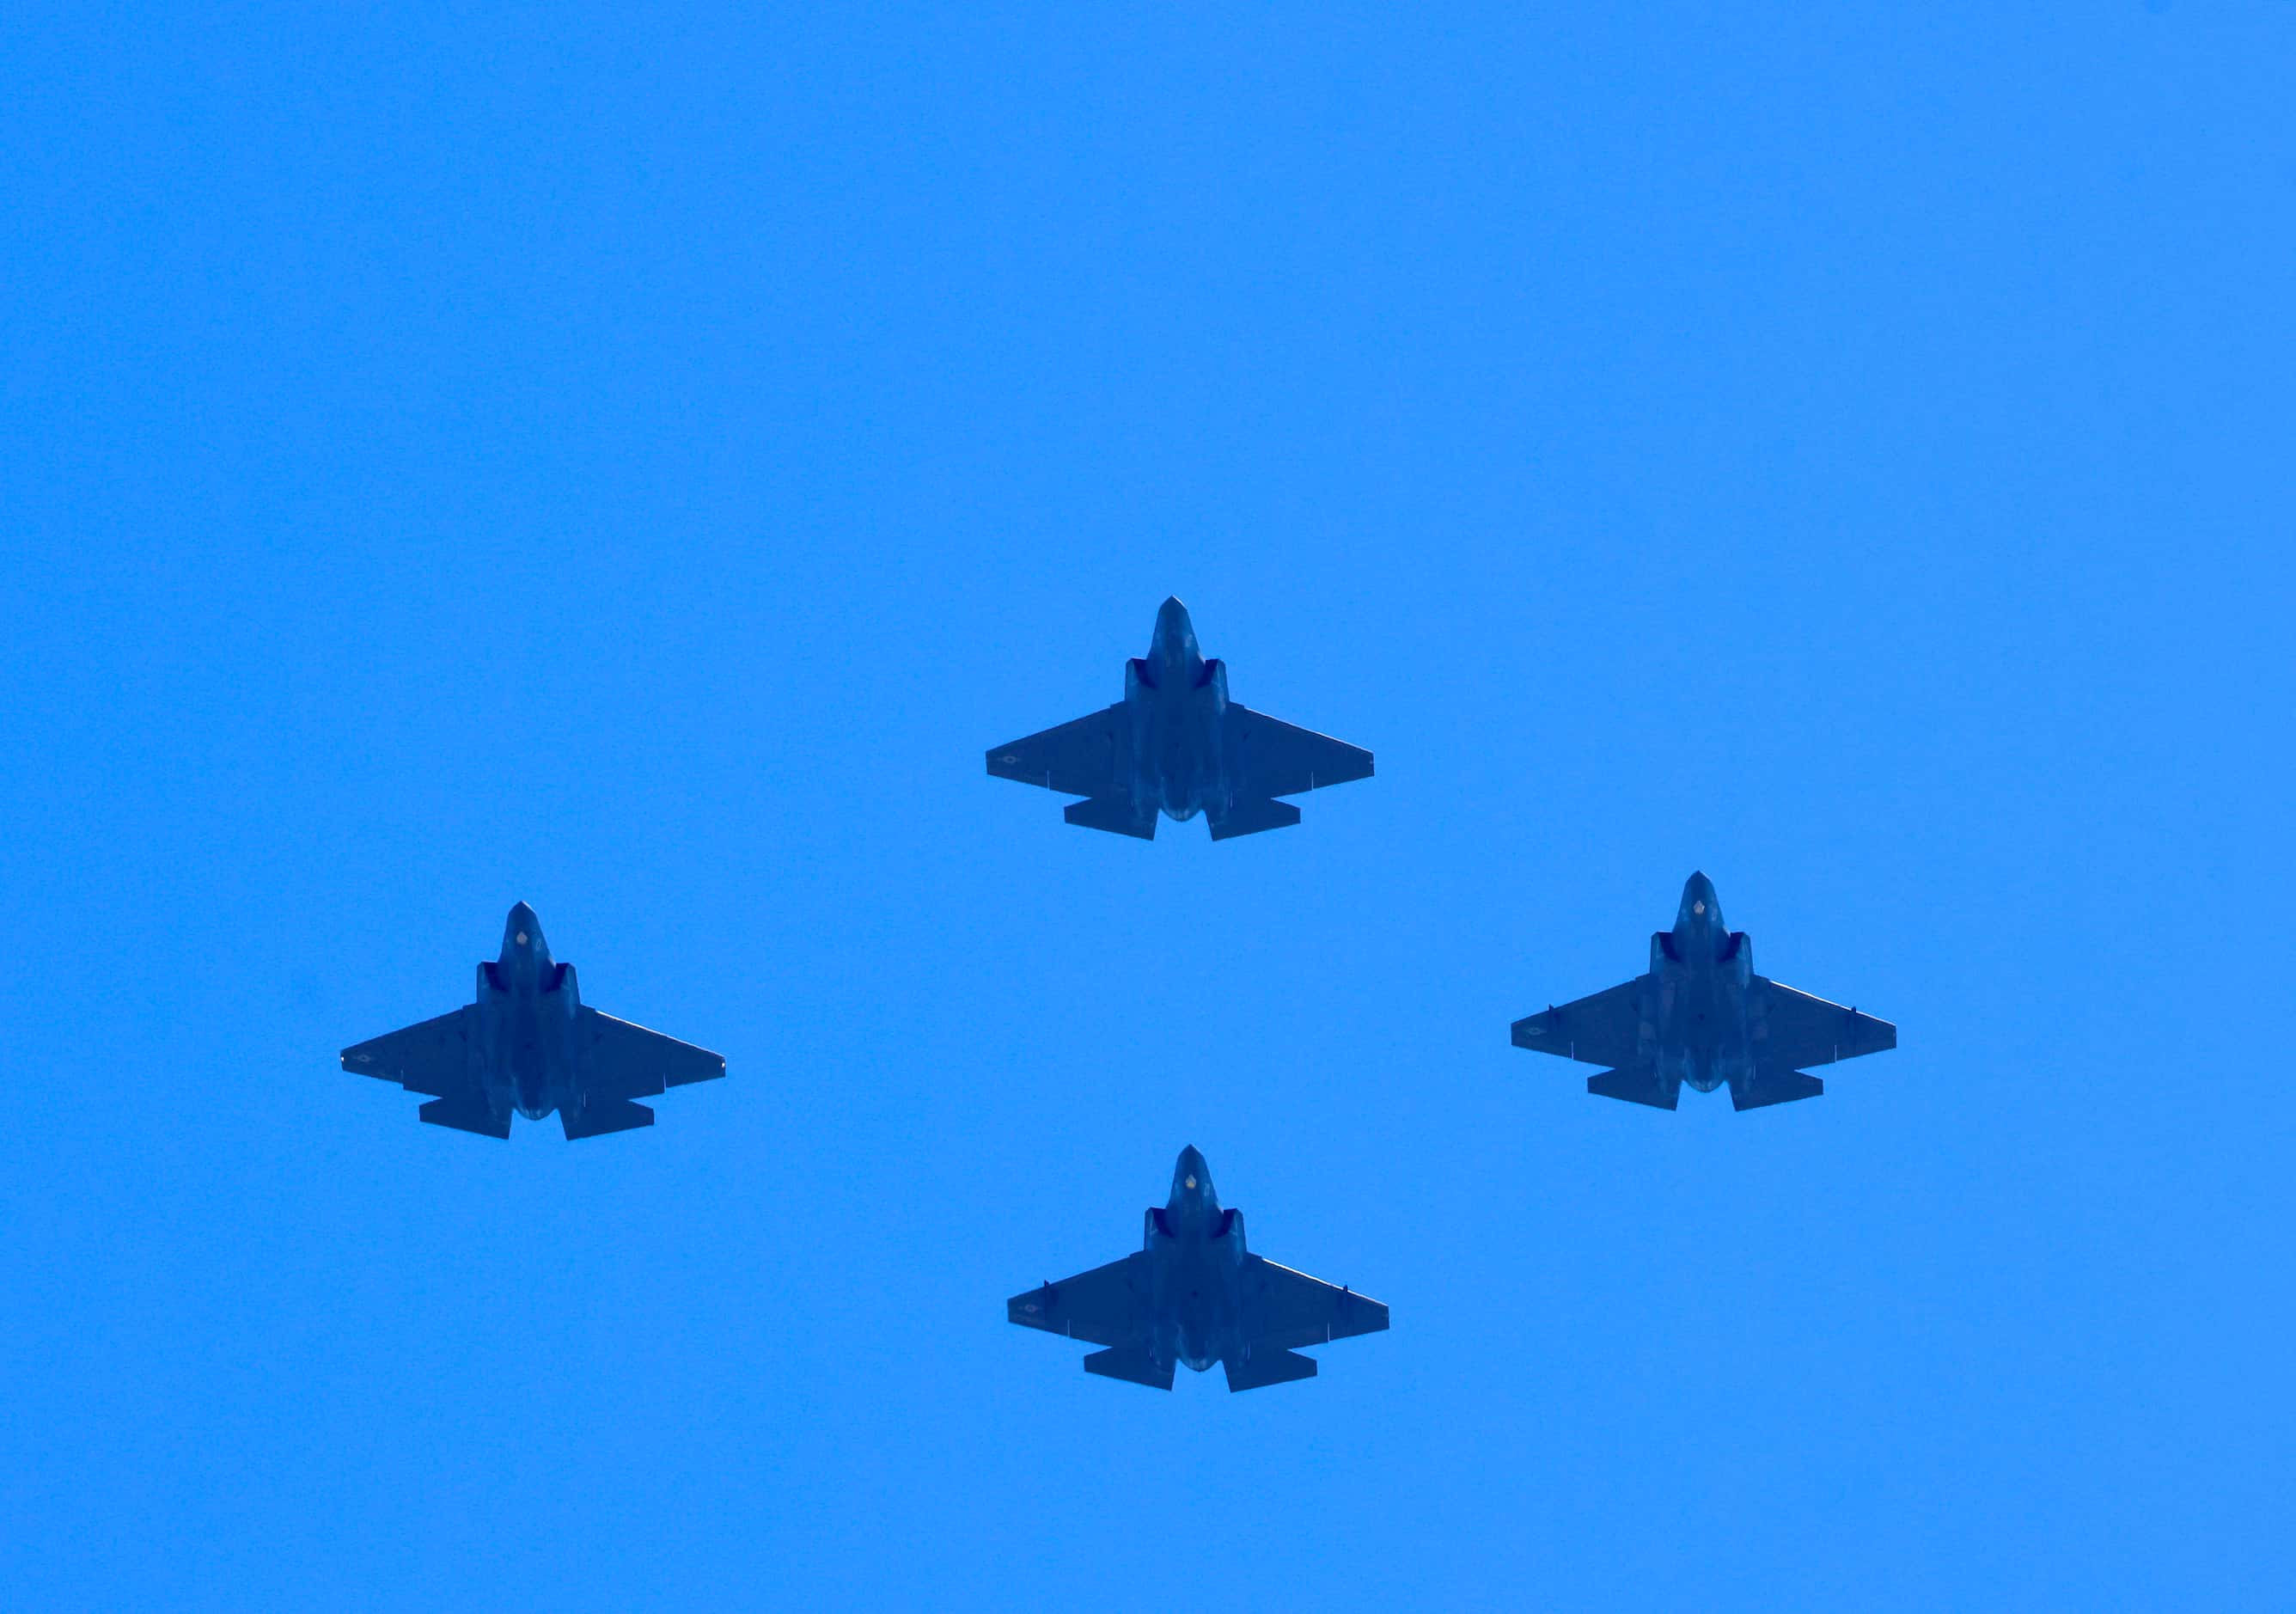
(1196,1261)
(1701,978)
(1174,701)
(528,1006)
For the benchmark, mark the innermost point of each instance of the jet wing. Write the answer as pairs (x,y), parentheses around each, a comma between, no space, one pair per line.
(1287,1309)
(627,1062)
(1796,1029)
(1107,1306)
(1603,1029)
(1269,757)
(1087,758)
(433,1057)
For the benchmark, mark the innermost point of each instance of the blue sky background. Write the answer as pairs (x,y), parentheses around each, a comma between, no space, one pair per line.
(638,463)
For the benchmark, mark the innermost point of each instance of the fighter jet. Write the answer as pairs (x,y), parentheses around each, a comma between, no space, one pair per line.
(1194,1295)
(529,1045)
(1176,743)
(1702,1015)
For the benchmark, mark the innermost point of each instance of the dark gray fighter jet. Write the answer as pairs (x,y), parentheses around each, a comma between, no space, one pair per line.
(1176,743)
(1194,1294)
(529,1044)
(1702,1015)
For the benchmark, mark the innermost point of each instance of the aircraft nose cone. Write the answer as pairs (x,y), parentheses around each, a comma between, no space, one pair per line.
(1698,902)
(1189,1173)
(521,927)
(1176,635)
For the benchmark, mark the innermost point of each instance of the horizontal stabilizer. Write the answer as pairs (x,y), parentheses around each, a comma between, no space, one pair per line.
(594,1119)
(1115,814)
(1640,1085)
(1250,817)
(1775,1087)
(1265,1367)
(465,1114)
(1131,1364)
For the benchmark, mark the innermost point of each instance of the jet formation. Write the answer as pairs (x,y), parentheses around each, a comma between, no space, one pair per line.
(1192,1295)
(529,1045)
(1176,744)
(1702,1015)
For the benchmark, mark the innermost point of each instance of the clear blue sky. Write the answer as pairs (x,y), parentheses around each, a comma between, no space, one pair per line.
(637,464)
